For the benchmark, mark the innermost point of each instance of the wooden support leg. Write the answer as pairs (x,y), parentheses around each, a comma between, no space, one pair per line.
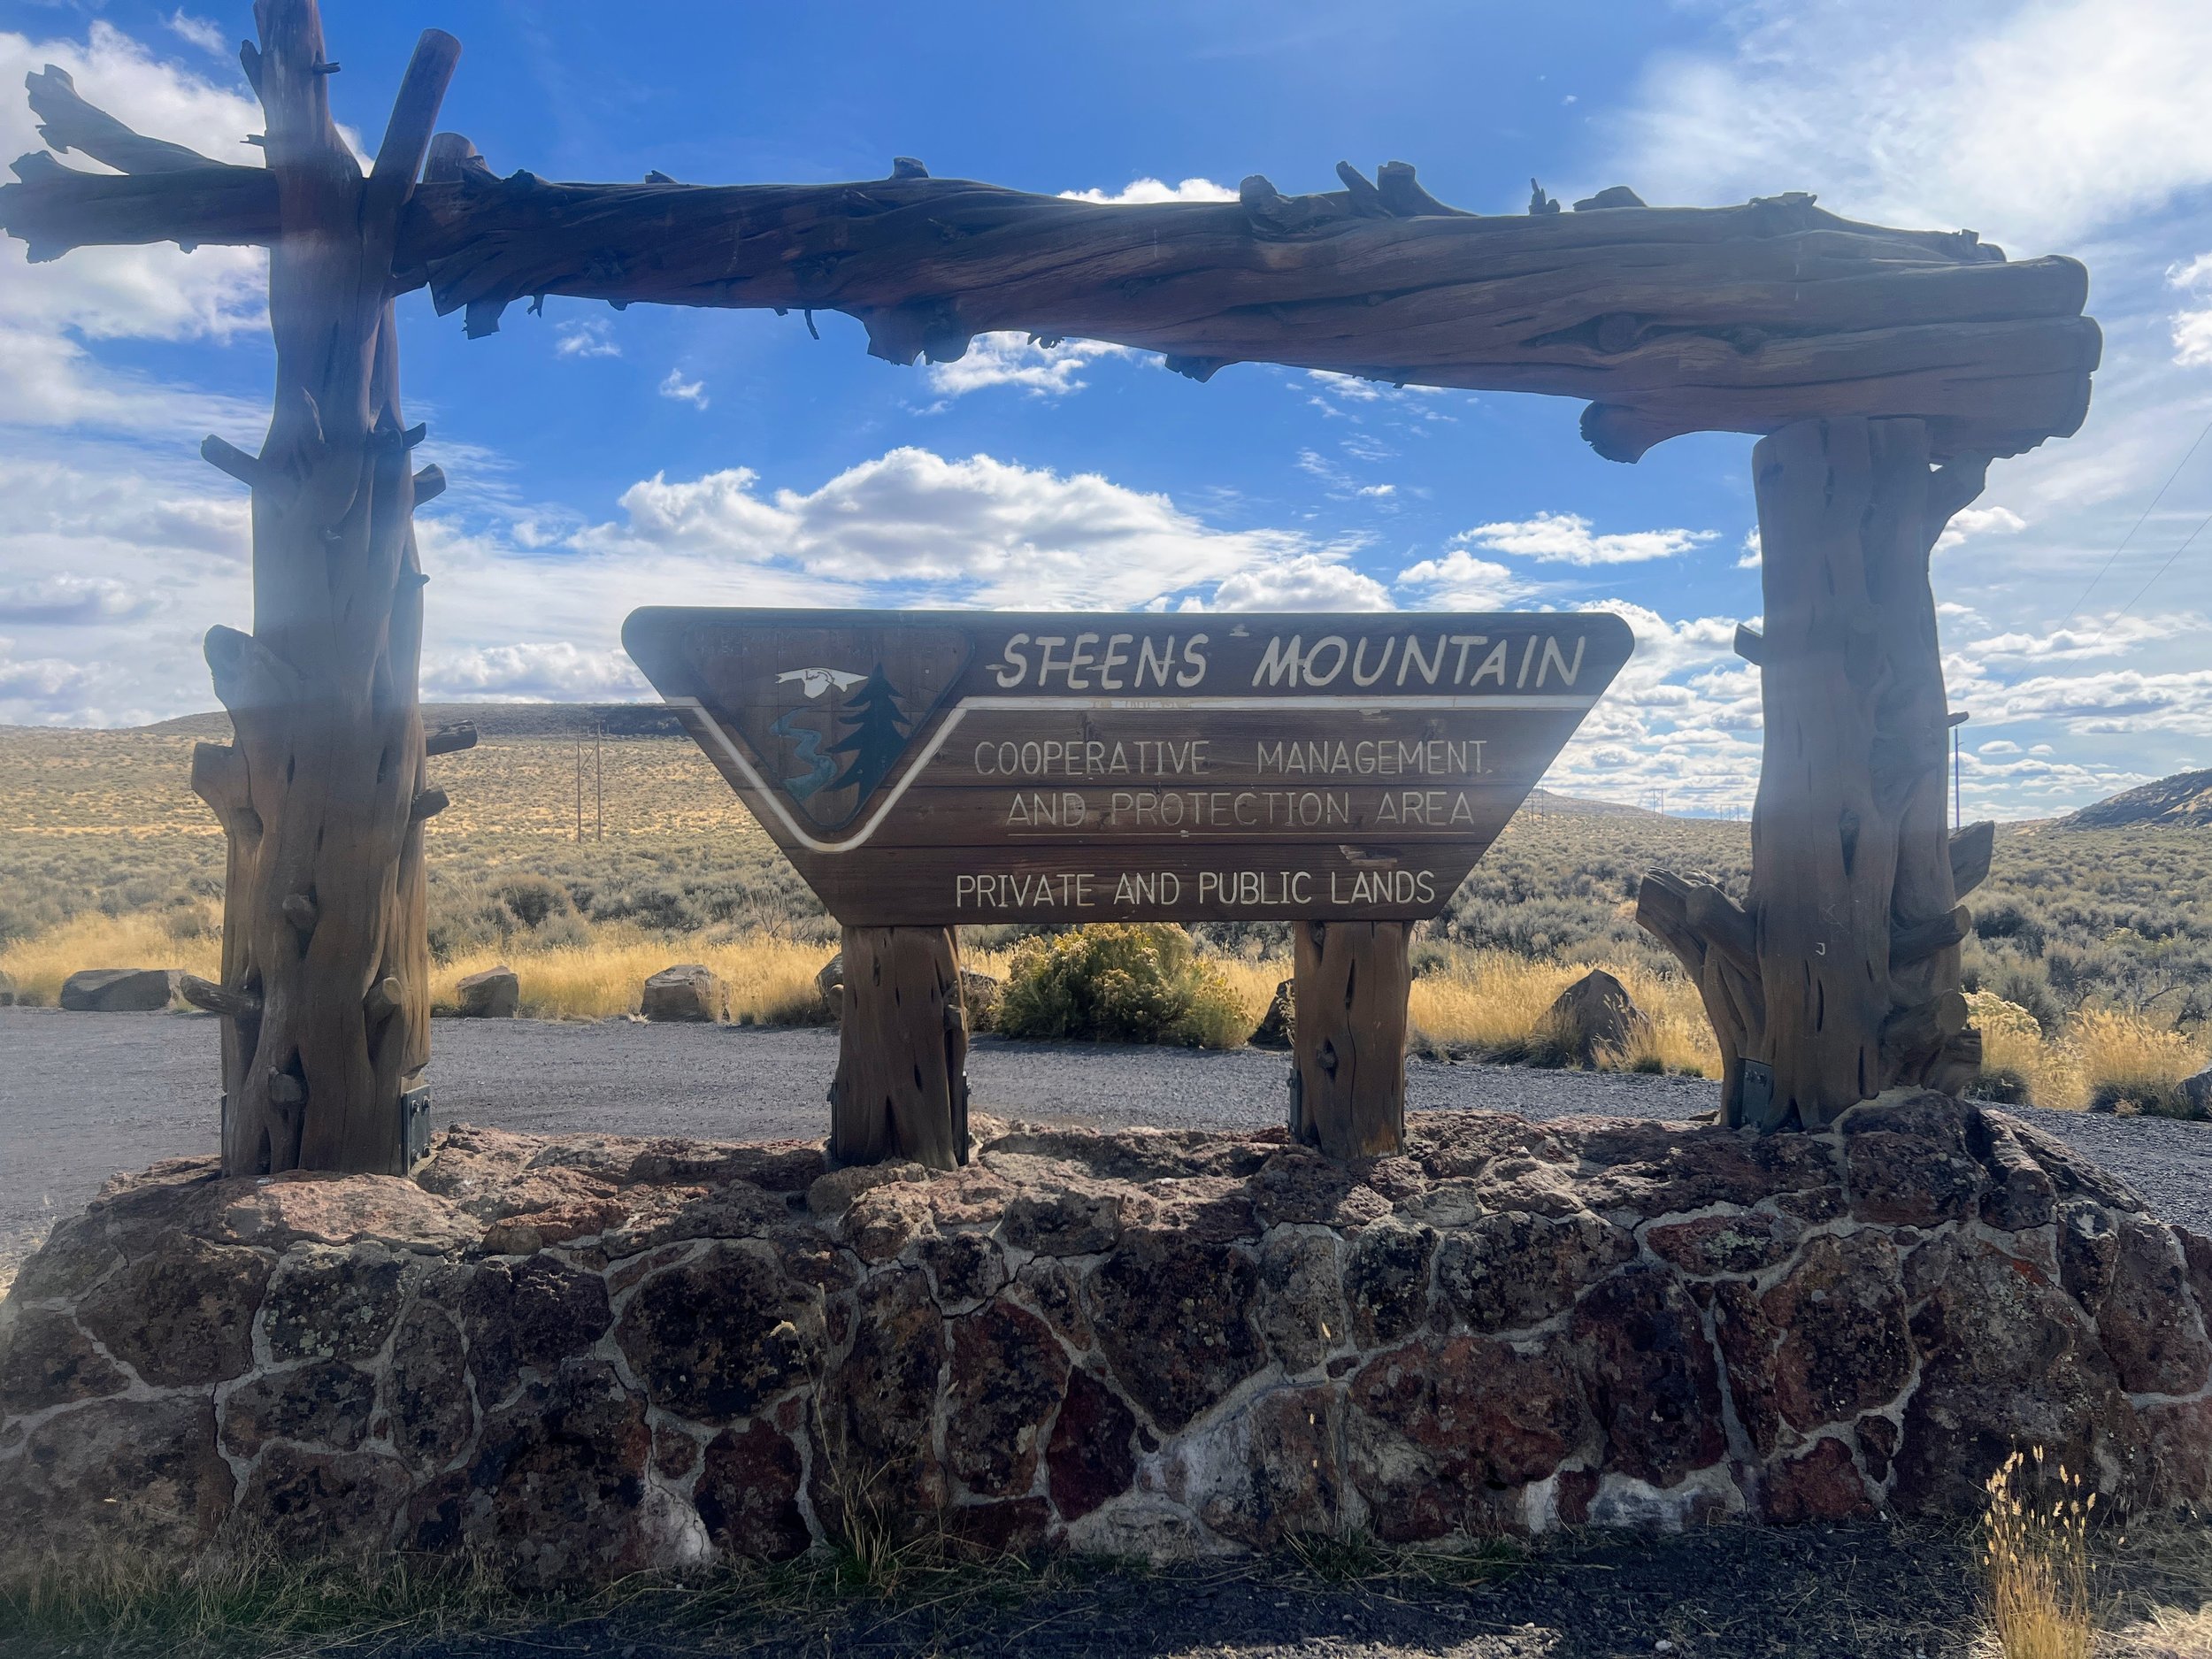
(1348,1081)
(901,1087)
(1838,977)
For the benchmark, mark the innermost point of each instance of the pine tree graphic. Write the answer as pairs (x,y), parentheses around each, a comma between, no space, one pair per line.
(875,736)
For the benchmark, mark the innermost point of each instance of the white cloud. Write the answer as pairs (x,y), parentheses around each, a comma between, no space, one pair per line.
(2192,329)
(1973,521)
(208,37)
(1311,581)
(1565,538)
(1748,559)
(1015,359)
(556,670)
(912,525)
(1460,581)
(590,337)
(683,391)
(1146,190)
(2037,123)
(61,601)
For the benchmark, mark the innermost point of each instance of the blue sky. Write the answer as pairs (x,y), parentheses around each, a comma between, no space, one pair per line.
(605,460)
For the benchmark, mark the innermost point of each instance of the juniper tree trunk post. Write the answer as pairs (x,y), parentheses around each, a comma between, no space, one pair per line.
(323,793)
(901,1085)
(1839,975)
(1348,1095)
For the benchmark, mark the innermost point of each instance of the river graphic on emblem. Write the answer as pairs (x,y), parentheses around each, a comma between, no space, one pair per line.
(875,730)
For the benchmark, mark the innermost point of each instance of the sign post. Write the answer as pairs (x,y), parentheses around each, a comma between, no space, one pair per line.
(927,769)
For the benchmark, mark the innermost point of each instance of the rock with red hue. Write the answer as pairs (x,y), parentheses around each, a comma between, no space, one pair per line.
(181,1313)
(1713,1245)
(1092,1456)
(1655,1168)
(1653,1386)
(556,1487)
(748,1495)
(1841,1343)
(534,1314)
(2020,1193)
(967,1268)
(1908,1160)
(1440,1425)
(1077,1220)
(2146,1319)
(1506,1273)
(719,1336)
(1175,1321)
(1386,1281)
(1821,1485)
(591,1355)
(1008,1375)
(2007,1360)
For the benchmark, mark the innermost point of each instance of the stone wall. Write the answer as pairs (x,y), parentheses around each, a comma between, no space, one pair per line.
(593,1355)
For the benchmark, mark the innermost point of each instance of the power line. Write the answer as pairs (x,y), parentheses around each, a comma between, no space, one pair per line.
(2137,525)
(2163,569)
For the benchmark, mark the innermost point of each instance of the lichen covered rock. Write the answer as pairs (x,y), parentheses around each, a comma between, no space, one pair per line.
(591,1355)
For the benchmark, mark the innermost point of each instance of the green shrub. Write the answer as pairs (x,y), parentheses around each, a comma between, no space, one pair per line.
(1120,982)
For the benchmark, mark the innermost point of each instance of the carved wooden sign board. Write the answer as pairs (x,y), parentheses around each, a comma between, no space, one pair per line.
(924,768)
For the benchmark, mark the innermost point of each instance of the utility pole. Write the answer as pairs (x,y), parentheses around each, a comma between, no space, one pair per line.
(579,790)
(598,782)
(1958,810)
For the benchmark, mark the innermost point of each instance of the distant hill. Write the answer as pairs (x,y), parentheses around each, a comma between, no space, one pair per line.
(1575,806)
(492,719)
(2181,801)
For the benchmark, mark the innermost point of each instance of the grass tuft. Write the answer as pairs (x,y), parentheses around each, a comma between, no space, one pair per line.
(2035,1552)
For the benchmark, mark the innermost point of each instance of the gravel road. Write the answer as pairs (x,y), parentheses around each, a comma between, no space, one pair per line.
(82,1096)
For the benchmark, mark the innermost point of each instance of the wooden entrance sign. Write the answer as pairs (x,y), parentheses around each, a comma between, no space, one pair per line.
(926,768)
(1907,360)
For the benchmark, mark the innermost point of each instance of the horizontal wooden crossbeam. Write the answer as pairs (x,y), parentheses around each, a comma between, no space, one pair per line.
(1666,319)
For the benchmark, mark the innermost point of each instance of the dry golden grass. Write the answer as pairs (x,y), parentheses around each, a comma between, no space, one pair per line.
(2100,1049)
(1491,999)
(2035,1552)
(770,981)
(186,937)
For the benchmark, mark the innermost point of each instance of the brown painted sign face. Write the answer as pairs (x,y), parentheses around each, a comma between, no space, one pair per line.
(922,768)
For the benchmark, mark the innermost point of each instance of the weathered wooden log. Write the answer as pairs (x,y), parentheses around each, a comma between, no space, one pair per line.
(1349,1037)
(902,1084)
(323,939)
(1669,320)
(1970,851)
(1839,975)
(218,999)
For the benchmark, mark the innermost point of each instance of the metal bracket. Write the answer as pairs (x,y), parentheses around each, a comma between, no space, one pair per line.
(414,1123)
(1756,1095)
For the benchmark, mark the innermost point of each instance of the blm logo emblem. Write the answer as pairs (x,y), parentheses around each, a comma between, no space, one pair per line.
(828,714)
